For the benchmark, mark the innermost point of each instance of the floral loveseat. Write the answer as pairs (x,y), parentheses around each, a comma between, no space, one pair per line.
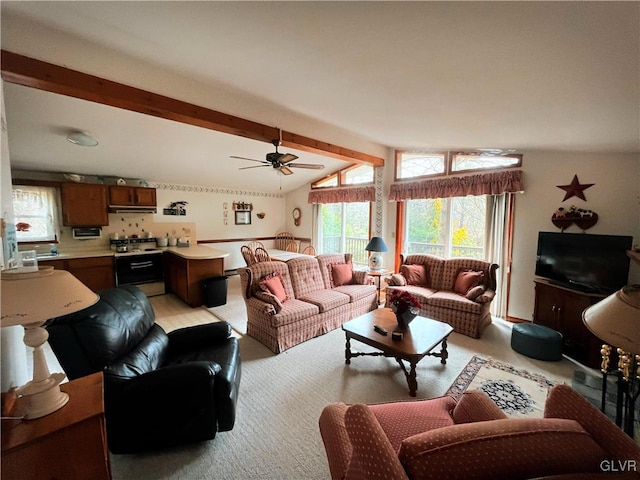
(457,291)
(472,439)
(291,302)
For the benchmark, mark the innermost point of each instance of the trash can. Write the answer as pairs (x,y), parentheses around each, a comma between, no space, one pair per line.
(215,291)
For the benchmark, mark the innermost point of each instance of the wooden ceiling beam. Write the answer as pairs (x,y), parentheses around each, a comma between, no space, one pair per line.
(45,76)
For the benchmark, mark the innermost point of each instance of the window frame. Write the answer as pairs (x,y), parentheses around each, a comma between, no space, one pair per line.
(453,155)
(55,208)
(319,219)
(341,175)
(398,158)
(449,158)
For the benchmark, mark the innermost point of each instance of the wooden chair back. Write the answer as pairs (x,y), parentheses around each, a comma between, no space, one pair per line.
(309,250)
(283,239)
(292,247)
(262,255)
(248,255)
(255,244)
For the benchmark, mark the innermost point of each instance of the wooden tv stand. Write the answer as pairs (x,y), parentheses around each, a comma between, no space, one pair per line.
(561,308)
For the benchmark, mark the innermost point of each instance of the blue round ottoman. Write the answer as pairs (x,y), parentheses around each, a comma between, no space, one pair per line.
(537,341)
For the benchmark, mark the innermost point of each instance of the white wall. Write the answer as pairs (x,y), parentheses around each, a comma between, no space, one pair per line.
(13,354)
(206,207)
(615,197)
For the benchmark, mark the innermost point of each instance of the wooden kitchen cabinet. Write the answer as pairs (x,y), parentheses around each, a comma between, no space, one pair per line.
(70,443)
(84,205)
(132,196)
(97,273)
(561,308)
(184,276)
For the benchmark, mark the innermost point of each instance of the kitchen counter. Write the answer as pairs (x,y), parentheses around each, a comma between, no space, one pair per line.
(194,252)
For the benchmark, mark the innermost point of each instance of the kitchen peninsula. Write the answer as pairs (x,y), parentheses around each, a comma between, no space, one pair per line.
(184,268)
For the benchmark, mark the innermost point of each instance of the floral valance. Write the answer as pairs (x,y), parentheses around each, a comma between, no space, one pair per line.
(340,195)
(485,184)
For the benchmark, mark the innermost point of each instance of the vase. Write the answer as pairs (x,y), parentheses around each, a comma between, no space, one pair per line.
(406,316)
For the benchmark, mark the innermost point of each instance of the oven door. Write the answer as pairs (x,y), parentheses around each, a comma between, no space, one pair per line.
(139,269)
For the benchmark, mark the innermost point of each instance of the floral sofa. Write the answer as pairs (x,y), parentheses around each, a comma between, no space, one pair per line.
(291,302)
(441,439)
(457,291)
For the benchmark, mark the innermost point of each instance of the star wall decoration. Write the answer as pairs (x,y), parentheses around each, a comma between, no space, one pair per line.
(575,189)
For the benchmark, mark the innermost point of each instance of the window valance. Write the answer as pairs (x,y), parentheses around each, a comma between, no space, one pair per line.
(343,195)
(484,184)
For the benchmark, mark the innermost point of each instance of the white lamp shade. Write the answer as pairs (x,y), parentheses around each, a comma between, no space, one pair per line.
(35,297)
(616,319)
(30,299)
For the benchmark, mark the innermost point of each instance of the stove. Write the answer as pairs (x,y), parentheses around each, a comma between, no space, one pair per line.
(147,251)
(143,268)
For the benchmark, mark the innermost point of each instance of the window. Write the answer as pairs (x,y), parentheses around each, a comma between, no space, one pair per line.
(420,164)
(353,175)
(35,213)
(447,227)
(358,175)
(344,227)
(462,162)
(343,219)
(415,164)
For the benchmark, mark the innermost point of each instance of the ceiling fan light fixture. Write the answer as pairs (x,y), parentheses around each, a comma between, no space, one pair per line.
(82,139)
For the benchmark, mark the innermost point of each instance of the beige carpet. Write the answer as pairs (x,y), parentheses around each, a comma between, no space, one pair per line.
(276,435)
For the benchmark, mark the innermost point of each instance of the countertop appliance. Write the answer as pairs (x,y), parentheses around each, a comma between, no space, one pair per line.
(143,268)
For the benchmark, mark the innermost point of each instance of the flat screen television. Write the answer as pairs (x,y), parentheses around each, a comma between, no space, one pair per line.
(585,262)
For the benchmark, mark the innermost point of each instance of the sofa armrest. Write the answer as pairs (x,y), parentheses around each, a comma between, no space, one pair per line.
(565,402)
(336,439)
(360,277)
(259,306)
(476,406)
(486,297)
(395,280)
(372,455)
(269,298)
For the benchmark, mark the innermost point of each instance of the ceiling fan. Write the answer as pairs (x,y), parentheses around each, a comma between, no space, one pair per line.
(280,161)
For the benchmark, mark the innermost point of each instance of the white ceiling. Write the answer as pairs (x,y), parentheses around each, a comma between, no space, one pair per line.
(531,76)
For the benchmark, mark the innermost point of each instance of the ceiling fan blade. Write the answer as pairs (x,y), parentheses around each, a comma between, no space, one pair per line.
(306,165)
(287,157)
(285,170)
(256,166)
(245,158)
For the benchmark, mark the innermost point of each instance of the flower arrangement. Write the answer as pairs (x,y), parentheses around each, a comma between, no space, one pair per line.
(402,300)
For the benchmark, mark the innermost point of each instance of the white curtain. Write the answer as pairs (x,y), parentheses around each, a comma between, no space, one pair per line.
(499,238)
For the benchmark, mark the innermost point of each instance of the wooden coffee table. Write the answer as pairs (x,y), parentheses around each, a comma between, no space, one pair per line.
(418,341)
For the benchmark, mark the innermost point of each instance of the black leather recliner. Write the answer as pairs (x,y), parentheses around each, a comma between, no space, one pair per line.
(160,389)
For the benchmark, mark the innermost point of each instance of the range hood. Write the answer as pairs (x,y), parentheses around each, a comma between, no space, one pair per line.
(131,209)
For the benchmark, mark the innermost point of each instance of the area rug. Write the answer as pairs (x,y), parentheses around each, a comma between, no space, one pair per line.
(519,393)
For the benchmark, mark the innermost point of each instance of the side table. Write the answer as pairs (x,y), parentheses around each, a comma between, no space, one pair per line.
(377,274)
(70,443)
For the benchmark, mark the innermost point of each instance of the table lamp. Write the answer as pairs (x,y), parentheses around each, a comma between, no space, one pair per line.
(30,299)
(616,320)
(376,246)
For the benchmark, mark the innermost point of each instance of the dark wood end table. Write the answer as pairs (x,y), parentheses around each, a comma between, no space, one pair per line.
(421,337)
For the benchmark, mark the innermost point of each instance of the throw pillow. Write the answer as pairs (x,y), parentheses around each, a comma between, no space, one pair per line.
(397,280)
(466,280)
(272,283)
(269,298)
(341,274)
(475,292)
(415,274)
(484,298)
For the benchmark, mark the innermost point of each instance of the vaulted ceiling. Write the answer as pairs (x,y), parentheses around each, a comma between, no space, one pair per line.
(531,76)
